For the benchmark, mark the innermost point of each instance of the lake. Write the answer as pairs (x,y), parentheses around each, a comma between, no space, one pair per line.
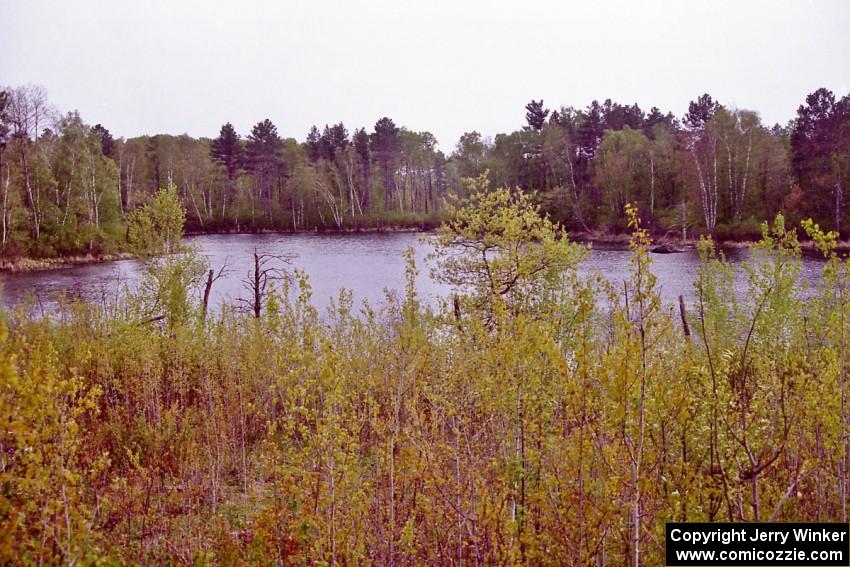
(365,263)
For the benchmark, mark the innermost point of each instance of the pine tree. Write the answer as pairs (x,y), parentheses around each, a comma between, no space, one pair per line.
(819,147)
(701,111)
(314,140)
(334,139)
(361,145)
(107,142)
(535,114)
(262,153)
(227,151)
(386,145)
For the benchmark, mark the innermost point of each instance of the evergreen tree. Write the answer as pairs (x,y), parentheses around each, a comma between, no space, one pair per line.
(590,130)
(700,112)
(263,147)
(107,142)
(656,117)
(226,150)
(263,160)
(820,141)
(314,140)
(616,116)
(334,139)
(4,127)
(385,146)
(535,114)
(361,145)
(4,134)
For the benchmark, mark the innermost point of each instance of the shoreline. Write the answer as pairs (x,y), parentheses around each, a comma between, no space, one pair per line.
(365,230)
(842,246)
(27,264)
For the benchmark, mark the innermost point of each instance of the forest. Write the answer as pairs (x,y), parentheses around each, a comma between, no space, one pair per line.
(535,417)
(69,188)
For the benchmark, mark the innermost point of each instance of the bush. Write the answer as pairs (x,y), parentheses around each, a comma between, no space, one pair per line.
(570,431)
(157,228)
(748,230)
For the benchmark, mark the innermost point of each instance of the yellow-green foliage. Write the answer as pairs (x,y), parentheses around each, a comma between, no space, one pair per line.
(561,422)
(501,254)
(157,228)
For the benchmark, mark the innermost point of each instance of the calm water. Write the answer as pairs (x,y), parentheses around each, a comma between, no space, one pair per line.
(367,264)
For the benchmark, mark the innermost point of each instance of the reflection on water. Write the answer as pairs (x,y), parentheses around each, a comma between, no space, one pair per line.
(366,264)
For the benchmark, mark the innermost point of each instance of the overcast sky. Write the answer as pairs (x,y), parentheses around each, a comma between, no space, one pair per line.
(146,67)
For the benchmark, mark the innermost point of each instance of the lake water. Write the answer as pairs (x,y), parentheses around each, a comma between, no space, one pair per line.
(368,264)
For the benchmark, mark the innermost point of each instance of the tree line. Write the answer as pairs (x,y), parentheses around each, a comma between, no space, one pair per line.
(68,187)
(716,170)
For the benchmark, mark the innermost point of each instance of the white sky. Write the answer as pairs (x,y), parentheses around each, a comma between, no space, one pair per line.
(146,67)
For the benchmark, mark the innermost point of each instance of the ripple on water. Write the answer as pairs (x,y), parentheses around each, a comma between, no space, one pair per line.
(365,263)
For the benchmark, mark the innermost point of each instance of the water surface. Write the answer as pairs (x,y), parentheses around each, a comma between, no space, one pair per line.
(368,264)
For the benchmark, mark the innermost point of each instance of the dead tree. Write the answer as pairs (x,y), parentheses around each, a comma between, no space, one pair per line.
(257,282)
(682,313)
(212,277)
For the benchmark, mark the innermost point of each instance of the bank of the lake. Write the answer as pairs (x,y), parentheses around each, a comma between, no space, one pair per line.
(25,264)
